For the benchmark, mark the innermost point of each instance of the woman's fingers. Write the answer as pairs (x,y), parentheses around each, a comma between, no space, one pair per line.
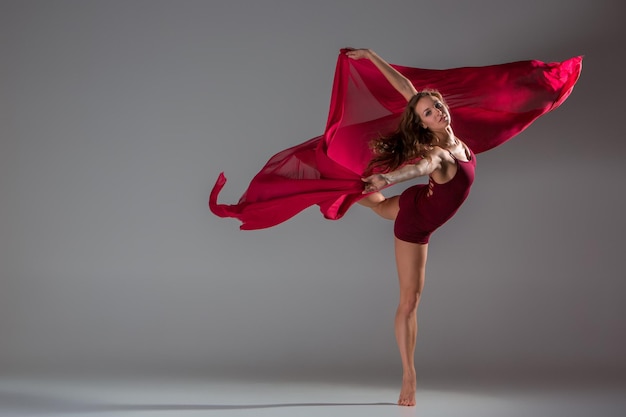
(356,53)
(371,184)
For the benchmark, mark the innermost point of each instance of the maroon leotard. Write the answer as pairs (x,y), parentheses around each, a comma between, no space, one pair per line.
(426,207)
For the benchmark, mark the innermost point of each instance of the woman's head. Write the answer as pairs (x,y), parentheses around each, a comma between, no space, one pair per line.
(424,115)
(430,111)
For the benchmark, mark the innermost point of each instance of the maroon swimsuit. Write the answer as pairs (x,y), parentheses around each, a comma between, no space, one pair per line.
(425,207)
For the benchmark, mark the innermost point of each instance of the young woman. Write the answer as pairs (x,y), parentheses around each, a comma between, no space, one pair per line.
(327,170)
(424,144)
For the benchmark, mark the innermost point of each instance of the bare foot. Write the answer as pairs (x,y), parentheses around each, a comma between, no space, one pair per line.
(407,393)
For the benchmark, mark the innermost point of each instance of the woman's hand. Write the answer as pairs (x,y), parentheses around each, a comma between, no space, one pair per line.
(399,81)
(374,183)
(358,53)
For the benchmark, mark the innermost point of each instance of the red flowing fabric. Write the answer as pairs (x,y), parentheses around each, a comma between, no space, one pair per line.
(488,105)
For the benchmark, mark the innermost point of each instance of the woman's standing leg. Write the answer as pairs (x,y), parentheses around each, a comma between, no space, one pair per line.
(411,264)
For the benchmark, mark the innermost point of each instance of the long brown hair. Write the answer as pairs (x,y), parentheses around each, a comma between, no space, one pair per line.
(410,140)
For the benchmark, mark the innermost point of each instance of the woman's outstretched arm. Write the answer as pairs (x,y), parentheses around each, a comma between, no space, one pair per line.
(424,166)
(399,81)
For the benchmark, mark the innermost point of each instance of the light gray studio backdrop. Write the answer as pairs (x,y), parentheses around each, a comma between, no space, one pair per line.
(117,117)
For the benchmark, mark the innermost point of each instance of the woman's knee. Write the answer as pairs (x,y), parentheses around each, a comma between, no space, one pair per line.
(408,303)
(372,200)
(388,208)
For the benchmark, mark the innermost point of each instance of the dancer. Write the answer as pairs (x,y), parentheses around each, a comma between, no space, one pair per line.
(423,145)
(490,105)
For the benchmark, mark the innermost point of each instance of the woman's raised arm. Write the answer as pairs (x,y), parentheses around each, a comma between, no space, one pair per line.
(399,81)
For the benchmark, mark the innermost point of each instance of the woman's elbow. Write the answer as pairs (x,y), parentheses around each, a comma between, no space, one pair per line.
(408,90)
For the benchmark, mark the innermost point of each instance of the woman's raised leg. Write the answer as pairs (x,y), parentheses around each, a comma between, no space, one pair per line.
(386,208)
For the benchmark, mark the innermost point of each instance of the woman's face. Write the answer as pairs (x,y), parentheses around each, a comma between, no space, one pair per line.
(433,114)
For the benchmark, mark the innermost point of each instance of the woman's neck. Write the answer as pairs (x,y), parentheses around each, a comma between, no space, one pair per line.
(445,138)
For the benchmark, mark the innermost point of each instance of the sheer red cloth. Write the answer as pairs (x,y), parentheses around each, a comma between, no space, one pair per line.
(489,105)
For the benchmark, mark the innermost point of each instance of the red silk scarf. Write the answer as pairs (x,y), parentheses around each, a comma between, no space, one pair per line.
(488,106)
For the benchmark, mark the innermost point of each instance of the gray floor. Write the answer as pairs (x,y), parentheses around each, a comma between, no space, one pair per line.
(170,397)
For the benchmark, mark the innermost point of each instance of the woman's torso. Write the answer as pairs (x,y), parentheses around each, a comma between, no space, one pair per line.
(447,187)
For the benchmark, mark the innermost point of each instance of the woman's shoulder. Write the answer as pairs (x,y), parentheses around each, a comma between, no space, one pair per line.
(435,150)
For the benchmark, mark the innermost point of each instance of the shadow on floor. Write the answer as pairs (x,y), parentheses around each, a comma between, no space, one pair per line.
(11,401)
